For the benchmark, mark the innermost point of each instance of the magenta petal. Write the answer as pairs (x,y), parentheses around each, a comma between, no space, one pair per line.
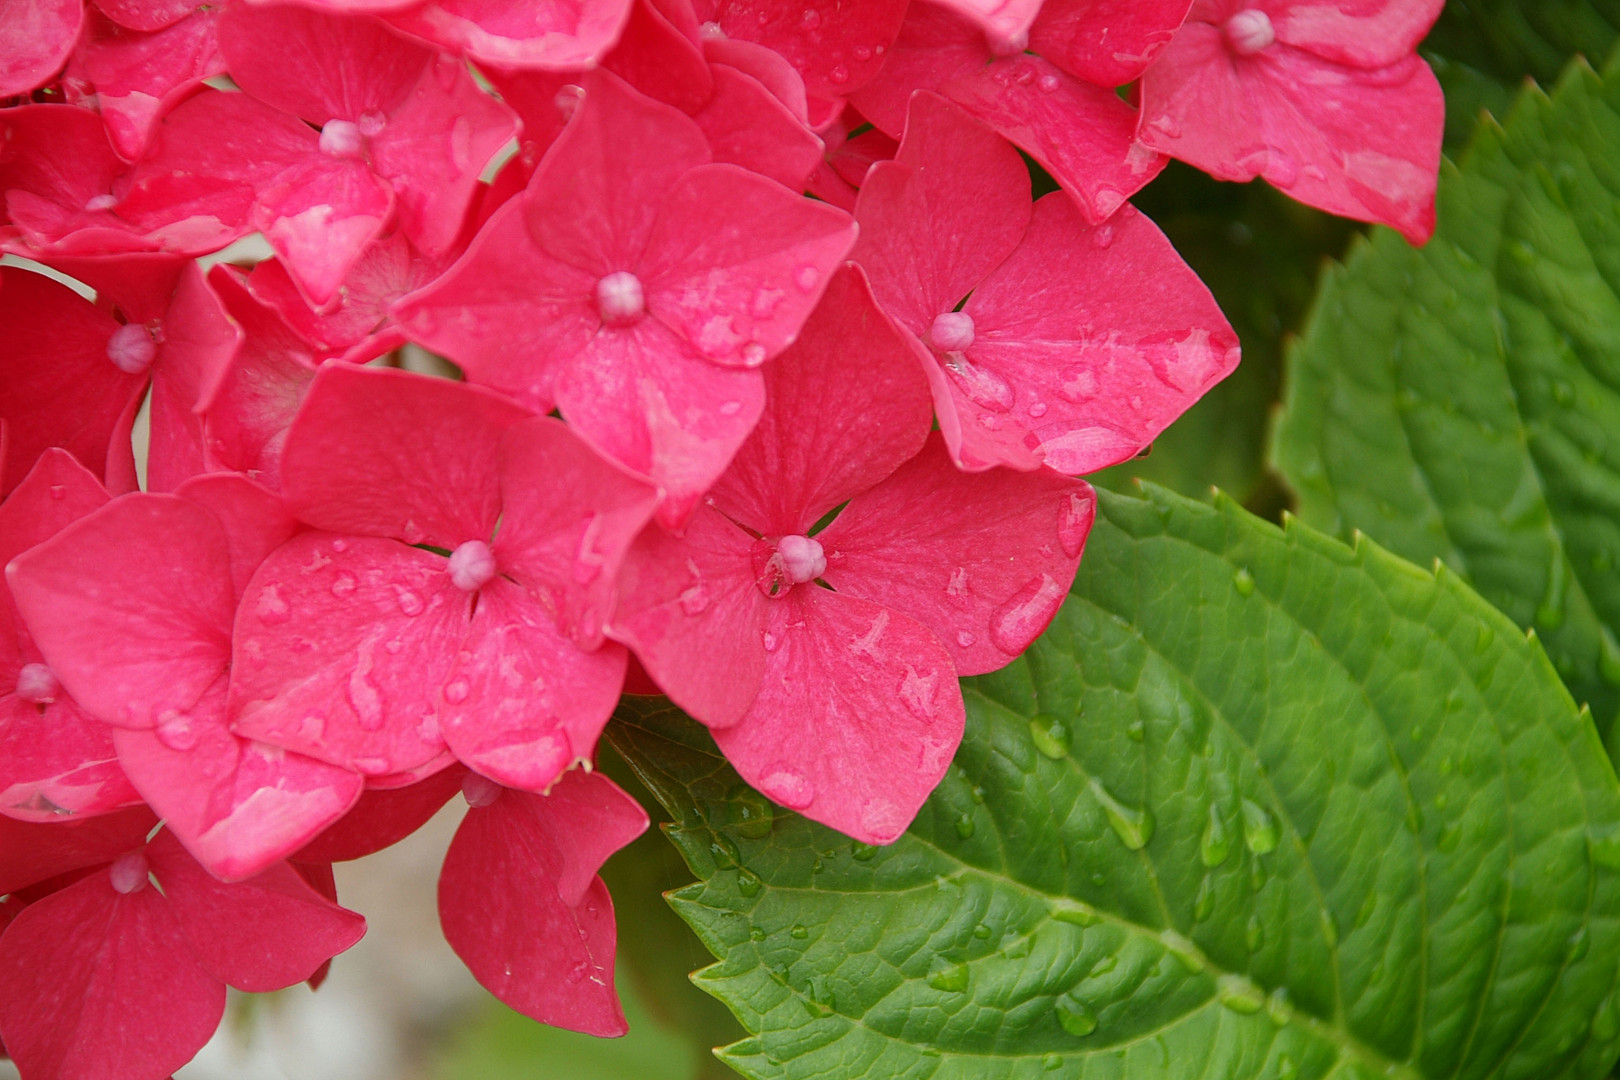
(935,46)
(382,818)
(55,761)
(236,805)
(378,452)
(513,907)
(950,209)
(568,518)
(1361,33)
(519,33)
(56,492)
(857,717)
(254,520)
(261,934)
(100,984)
(523,703)
(57,180)
(642,396)
(507,312)
(836,47)
(1107,42)
(36,37)
(132,607)
(1006,22)
(1082,134)
(319,216)
(58,387)
(653,56)
(30,853)
(696,620)
(746,125)
(341,646)
(846,405)
(981,559)
(767,66)
(199,343)
(736,263)
(146,15)
(387,270)
(138,76)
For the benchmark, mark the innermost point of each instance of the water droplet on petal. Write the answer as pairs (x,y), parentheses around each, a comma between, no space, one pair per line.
(965,639)
(1020,620)
(753,354)
(409,602)
(694,599)
(1074,522)
(806,278)
(883,819)
(1103,236)
(177,732)
(567,101)
(982,386)
(455,691)
(788,787)
(343,585)
(1048,83)
(1037,409)
(129,873)
(1281,170)
(1078,385)
(480,791)
(839,74)
(37,684)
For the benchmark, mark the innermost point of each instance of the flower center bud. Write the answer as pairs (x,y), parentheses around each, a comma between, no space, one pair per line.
(789,561)
(952,331)
(129,873)
(1250,31)
(472,565)
(37,683)
(342,139)
(620,299)
(131,349)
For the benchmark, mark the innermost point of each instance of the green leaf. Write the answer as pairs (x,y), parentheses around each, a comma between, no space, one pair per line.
(1462,401)
(1258,805)
(1259,252)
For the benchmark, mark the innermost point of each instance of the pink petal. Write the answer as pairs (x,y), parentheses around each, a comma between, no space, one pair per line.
(1360,33)
(836,47)
(1363,144)
(147,15)
(318,65)
(237,805)
(523,703)
(568,518)
(319,216)
(139,76)
(935,46)
(56,492)
(981,559)
(1005,22)
(507,312)
(656,58)
(1082,134)
(846,405)
(689,608)
(254,520)
(950,208)
(57,180)
(31,853)
(512,908)
(36,37)
(139,284)
(261,934)
(209,160)
(382,818)
(58,386)
(1099,357)
(379,452)
(855,157)
(857,717)
(80,968)
(767,65)
(519,33)
(1107,42)
(56,761)
(435,145)
(199,344)
(645,398)
(132,607)
(736,263)
(341,646)
(746,125)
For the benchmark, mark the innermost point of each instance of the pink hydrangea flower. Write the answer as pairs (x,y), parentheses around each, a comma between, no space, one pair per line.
(115,976)
(55,760)
(562,34)
(637,287)
(36,37)
(358,646)
(1327,101)
(841,702)
(132,608)
(1077,344)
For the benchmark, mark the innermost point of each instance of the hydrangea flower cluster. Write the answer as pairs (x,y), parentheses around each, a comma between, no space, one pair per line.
(776,388)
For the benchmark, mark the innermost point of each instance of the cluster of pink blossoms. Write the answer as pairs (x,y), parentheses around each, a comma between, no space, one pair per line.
(796,462)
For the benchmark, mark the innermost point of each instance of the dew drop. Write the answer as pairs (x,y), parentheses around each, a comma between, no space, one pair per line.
(748,882)
(806,278)
(129,873)
(1074,522)
(1133,827)
(1052,1062)
(798,933)
(839,74)
(343,585)
(1550,613)
(1259,828)
(272,606)
(479,791)
(1074,912)
(751,813)
(1019,621)
(724,852)
(964,826)
(770,641)
(1103,236)
(1051,737)
(1037,409)
(1048,83)
(788,787)
(455,692)
(1287,1069)
(1136,731)
(177,733)
(1244,581)
(982,386)
(1078,385)
(1204,902)
(1185,952)
(1240,995)
(1277,1006)
(981,932)
(409,603)
(1215,845)
(948,977)
(1254,933)
(753,355)
(1075,1016)
(756,934)
(862,852)
(1330,930)
(965,639)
